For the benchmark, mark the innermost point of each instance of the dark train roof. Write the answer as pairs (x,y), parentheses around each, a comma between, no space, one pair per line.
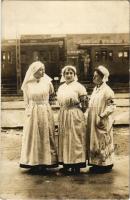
(83,45)
(33,41)
(72,39)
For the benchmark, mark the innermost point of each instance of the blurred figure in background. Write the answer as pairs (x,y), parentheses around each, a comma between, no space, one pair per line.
(86,65)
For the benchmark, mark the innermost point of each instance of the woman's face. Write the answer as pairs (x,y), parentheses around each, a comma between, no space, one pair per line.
(97,79)
(39,73)
(69,75)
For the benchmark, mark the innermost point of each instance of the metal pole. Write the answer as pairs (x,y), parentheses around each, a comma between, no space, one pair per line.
(18,65)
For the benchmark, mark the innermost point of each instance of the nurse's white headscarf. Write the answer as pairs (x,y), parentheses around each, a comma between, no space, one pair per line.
(29,76)
(63,71)
(105,72)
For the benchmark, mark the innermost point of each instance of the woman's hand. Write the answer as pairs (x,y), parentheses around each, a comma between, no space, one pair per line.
(84,109)
(101,122)
(84,103)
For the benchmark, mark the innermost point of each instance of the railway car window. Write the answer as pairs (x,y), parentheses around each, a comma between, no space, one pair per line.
(125,54)
(3,56)
(110,54)
(104,55)
(6,57)
(97,56)
(9,56)
(120,54)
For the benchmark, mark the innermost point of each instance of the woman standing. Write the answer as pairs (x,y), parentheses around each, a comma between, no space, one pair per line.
(101,106)
(72,98)
(38,145)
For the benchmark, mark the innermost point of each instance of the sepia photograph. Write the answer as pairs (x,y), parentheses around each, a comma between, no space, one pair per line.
(64,99)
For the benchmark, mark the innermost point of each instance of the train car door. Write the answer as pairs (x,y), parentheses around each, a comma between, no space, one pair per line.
(8,69)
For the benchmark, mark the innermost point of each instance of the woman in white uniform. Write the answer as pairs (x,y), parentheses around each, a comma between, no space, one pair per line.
(72,97)
(38,144)
(99,129)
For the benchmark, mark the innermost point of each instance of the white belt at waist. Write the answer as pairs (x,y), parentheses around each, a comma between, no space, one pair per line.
(38,102)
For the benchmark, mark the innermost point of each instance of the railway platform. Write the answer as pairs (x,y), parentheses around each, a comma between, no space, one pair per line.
(12,111)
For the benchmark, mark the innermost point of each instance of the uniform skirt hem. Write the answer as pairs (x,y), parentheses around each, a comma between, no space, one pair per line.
(102,166)
(43,165)
(81,165)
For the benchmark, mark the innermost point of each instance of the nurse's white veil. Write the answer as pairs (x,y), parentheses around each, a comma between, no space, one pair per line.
(33,68)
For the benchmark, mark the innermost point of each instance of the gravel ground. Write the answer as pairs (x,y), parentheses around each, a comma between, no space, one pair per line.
(17,184)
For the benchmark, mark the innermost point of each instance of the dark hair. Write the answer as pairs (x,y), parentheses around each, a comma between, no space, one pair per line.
(69,68)
(99,72)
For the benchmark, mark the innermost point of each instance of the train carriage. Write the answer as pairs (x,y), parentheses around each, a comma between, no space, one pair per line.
(18,55)
(55,52)
(114,56)
(8,66)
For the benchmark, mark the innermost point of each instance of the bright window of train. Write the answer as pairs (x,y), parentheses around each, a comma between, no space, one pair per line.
(120,54)
(110,55)
(6,57)
(3,56)
(126,54)
(9,57)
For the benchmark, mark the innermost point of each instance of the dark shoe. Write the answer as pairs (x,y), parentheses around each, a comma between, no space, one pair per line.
(99,170)
(75,170)
(38,170)
(34,170)
(64,171)
(43,170)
